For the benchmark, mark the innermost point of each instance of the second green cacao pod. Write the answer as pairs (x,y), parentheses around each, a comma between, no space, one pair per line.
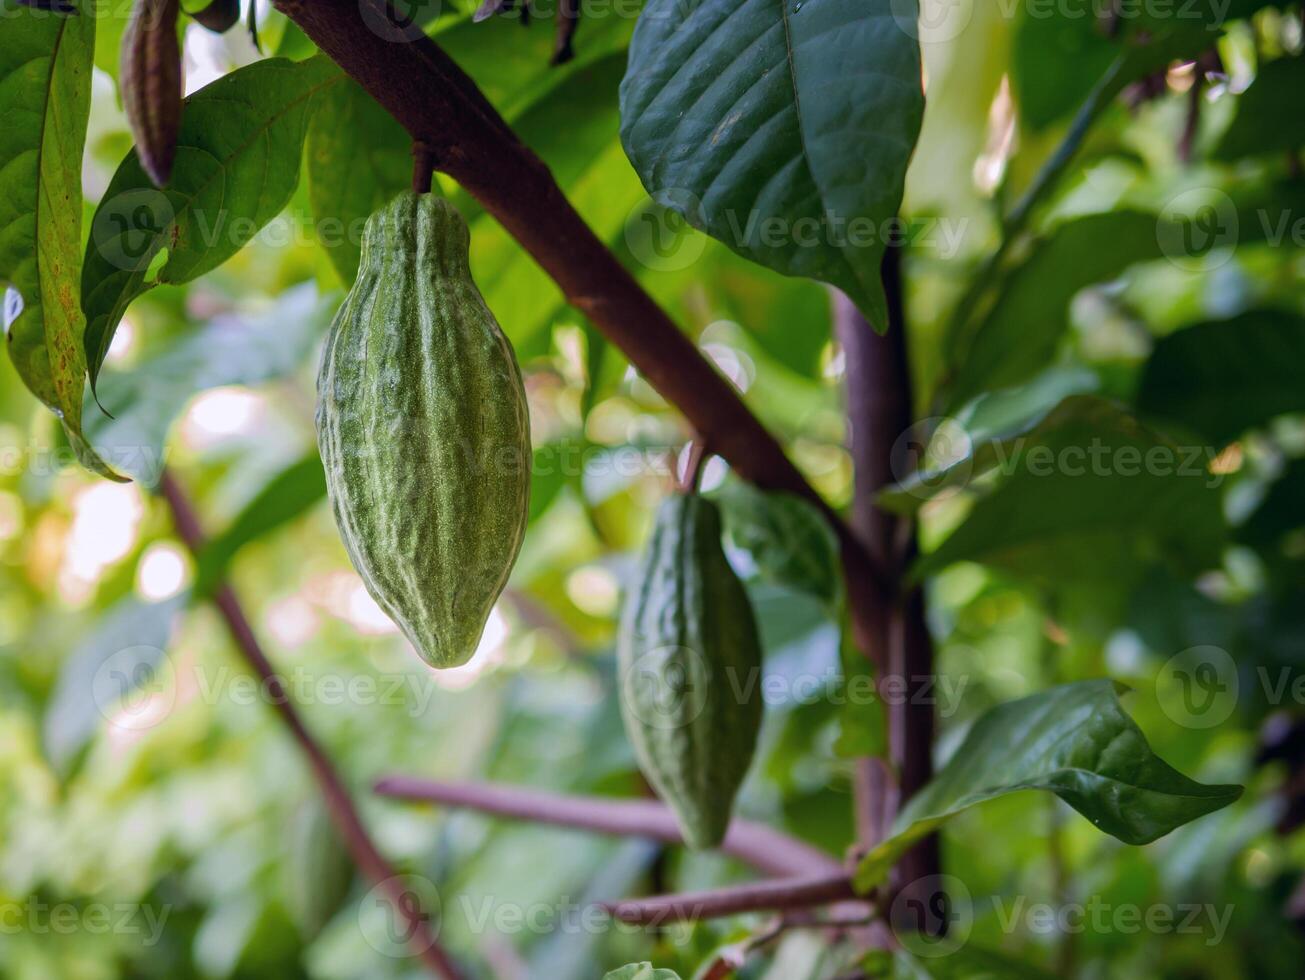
(690,667)
(317,869)
(424,431)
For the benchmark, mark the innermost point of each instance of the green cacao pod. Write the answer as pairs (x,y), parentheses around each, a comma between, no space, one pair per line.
(317,870)
(424,431)
(690,669)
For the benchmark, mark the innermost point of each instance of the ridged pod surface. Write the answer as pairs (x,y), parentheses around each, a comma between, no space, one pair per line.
(690,667)
(424,431)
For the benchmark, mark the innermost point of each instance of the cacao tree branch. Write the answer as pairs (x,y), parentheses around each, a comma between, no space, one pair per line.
(417,83)
(339,803)
(759,896)
(881,413)
(765,849)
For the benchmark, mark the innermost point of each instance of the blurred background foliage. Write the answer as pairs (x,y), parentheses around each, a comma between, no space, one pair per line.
(183,800)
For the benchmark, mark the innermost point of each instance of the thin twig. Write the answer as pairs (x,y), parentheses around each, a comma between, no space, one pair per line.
(762,847)
(336,795)
(760,896)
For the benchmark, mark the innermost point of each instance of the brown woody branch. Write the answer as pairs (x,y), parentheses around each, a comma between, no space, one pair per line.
(779,894)
(760,846)
(339,803)
(881,411)
(439,105)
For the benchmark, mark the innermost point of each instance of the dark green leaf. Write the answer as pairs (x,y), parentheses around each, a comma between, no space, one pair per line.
(1075,741)
(45,100)
(790,541)
(1280,511)
(1021,333)
(1268,117)
(237,165)
(292,492)
(782,129)
(1090,473)
(1220,378)
(359,158)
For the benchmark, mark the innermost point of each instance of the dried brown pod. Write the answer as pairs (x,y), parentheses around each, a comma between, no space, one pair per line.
(151,84)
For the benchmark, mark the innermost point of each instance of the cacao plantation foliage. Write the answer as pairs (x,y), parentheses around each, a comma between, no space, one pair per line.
(646,490)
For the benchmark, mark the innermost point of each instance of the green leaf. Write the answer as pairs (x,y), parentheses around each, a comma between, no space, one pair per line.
(1220,378)
(1059,53)
(640,971)
(1279,512)
(790,541)
(1056,58)
(121,653)
(968,445)
(1073,740)
(1090,471)
(291,493)
(237,165)
(45,99)
(1019,336)
(1268,117)
(358,158)
(230,351)
(781,128)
